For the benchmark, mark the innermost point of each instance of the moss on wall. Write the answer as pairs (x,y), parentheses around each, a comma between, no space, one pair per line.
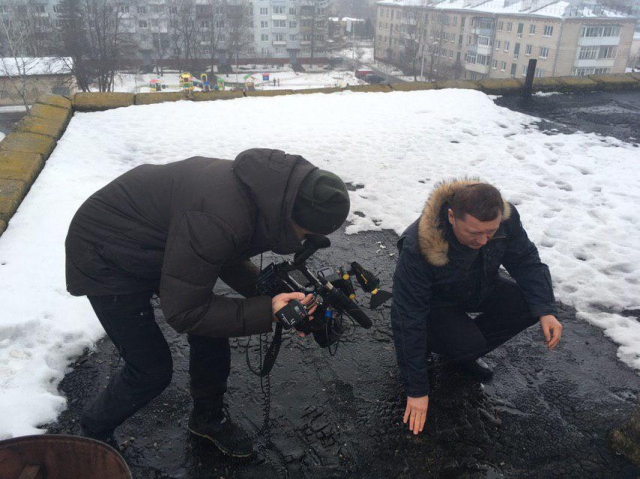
(160,97)
(614,82)
(414,86)
(102,101)
(507,86)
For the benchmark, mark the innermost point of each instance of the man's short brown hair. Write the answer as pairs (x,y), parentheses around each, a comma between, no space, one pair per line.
(480,200)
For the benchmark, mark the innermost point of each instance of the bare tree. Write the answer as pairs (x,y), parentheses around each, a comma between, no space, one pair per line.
(73,48)
(414,28)
(239,39)
(107,42)
(26,37)
(213,33)
(184,33)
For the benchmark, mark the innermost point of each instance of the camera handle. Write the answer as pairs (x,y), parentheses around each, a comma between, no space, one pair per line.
(312,244)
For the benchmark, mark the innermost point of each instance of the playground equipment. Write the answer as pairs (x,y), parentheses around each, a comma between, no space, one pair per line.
(204,79)
(51,456)
(186,82)
(155,84)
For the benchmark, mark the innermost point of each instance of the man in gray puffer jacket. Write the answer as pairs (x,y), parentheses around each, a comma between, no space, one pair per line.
(175,230)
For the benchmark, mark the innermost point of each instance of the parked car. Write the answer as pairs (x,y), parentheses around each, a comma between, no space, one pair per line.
(362,72)
(373,78)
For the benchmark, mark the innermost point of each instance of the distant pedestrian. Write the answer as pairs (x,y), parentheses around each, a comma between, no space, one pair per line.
(278,81)
(274,82)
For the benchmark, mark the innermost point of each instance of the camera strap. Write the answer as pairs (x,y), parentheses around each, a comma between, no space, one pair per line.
(272,353)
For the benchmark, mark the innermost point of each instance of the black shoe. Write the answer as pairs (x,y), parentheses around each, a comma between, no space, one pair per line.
(230,438)
(104,436)
(476,368)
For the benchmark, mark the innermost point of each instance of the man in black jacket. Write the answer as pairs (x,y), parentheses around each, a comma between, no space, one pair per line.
(449,266)
(176,229)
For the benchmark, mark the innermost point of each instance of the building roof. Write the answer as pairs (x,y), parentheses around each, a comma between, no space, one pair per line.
(545,8)
(31,66)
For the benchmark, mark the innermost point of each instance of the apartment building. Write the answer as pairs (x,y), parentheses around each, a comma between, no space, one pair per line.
(250,31)
(476,39)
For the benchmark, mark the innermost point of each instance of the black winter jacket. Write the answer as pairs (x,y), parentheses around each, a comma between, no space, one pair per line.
(177,228)
(434,269)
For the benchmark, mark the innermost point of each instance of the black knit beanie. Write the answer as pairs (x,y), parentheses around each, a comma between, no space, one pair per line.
(322,203)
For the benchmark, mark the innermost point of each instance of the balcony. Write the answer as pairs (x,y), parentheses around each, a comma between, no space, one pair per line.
(279,43)
(279,17)
(485,32)
(598,41)
(477,67)
(598,63)
(480,49)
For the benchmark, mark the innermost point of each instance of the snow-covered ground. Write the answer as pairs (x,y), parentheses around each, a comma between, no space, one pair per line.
(286,79)
(578,196)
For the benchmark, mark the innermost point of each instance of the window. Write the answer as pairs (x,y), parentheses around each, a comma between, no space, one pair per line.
(498,44)
(264,24)
(56,8)
(123,8)
(142,9)
(203,24)
(500,26)
(293,38)
(539,72)
(520,29)
(265,51)
(527,49)
(462,19)
(503,66)
(516,51)
(278,37)
(142,24)
(607,52)
(470,57)
(509,26)
(157,8)
(264,37)
(264,11)
(544,52)
(514,66)
(524,70)
(484,41)
(280,24)
(608,31)
(495,64)
(293,24)
(588,53)
(38,8)
(506,46)
(279,10)
(4,9)
(455,21)
(292,11)
(532,29)
(173,10)
(548,31)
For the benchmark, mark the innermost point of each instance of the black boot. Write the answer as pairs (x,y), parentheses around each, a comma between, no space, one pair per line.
(476,368)
(218,428)
(103,436)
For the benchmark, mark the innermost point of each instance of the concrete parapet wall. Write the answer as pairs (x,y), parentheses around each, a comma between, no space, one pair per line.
(24,151)
(102,101)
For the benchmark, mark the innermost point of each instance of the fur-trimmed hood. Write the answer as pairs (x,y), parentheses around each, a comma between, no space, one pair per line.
(432,229)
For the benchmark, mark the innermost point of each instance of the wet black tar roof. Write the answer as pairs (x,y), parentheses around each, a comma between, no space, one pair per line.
(544,415)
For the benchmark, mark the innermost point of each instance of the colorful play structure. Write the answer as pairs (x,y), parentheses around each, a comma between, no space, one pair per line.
(187,83)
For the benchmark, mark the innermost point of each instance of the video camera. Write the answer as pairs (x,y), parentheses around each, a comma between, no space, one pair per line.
(333,291)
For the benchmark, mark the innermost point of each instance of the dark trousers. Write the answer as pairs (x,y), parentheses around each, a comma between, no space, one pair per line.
(453,333)
(129,322)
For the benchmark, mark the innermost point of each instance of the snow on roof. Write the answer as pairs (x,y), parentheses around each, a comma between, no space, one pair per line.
(31,66)
(544,8)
